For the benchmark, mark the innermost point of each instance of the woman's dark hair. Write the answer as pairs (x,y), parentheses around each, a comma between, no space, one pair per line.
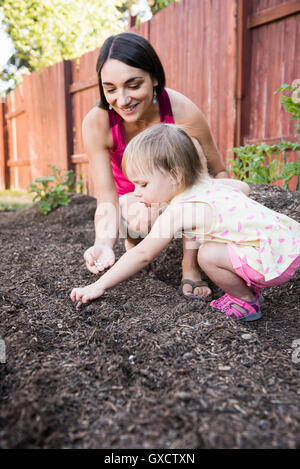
(135,51)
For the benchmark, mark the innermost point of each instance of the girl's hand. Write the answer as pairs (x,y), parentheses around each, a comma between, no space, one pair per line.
(85,294)
(99,258)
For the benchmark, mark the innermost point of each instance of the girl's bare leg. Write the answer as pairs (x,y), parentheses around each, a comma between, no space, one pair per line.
(214,259)
(190,269)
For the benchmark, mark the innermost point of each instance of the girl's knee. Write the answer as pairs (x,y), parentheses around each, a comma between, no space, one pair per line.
(208,253)
(204,253)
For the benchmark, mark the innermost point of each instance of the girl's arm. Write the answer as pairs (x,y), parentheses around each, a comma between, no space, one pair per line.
(134,260)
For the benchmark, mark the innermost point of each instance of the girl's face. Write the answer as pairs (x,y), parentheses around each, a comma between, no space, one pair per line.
(155,188)
(128,90)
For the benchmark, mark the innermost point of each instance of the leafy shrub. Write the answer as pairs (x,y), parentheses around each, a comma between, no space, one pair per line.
(291,104)
(255,164)
(52,191)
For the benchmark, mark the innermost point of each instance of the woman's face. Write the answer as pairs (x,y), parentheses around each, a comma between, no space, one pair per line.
(128,90)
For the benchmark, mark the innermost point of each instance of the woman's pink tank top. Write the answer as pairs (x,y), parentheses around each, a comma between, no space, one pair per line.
(123,185)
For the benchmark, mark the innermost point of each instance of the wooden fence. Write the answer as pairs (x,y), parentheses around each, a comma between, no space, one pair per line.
(229,57)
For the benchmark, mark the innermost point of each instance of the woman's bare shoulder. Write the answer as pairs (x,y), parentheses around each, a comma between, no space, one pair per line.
(95,125)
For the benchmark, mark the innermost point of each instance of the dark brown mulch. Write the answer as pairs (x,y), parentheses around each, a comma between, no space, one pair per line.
(141,367)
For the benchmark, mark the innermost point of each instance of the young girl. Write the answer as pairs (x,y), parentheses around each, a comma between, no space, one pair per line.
(243,246)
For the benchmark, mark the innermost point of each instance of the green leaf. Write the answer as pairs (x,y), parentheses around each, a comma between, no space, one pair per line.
(52,191)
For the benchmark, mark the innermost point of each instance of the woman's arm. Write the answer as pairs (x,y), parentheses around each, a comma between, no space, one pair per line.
(192,120)
(97,142)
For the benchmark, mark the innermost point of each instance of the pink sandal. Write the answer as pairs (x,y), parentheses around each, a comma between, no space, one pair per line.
(220,302)
(227,304)
(223,300)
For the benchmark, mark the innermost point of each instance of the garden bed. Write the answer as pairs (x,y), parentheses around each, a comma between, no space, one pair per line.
(142,367)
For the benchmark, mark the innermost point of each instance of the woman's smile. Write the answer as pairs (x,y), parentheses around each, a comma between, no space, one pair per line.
(128,110)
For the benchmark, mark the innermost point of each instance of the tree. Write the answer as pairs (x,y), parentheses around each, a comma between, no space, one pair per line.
(136,8)
(48,31)
(157,5)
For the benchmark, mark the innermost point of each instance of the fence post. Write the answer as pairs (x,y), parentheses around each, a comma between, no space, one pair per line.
(244,40)
(69,113)
(4,170)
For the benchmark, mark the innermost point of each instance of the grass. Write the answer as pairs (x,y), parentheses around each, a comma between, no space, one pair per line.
(11,200)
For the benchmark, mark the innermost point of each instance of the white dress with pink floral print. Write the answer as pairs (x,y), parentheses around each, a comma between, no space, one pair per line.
(268,241)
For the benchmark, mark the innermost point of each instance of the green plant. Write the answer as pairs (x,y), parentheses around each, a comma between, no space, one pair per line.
(291,104)
(261,163)
(52,191)
(289,171)
(255,164)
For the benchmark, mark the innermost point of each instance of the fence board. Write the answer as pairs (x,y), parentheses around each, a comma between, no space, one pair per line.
(4,176)
(84,91)
(45,104)
(18,162)
(275,60)
(274,13)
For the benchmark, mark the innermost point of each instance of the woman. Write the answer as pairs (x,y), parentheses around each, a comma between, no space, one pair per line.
(132,98)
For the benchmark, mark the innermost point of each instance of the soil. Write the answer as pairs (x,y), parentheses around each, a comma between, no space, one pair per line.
(141,367)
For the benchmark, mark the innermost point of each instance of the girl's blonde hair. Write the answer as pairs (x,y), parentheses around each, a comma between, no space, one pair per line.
(163,147)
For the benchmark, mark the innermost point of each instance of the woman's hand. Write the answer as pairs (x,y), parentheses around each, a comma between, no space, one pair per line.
(99,258)
(83,295)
